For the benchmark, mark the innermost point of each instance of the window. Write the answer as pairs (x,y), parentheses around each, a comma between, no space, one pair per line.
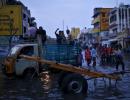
(25,29)
(123,14)
(114,30)
(112,18)
(103,15)
(29,50)
(129,12)
(119,14)
(29,20)
(14,50)
(24,16)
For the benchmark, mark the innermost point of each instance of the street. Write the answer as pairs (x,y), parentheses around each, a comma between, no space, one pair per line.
(46,88)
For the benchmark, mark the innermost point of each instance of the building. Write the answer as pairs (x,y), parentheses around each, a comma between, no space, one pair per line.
(119,18)
(74,32)
(119,23)
(101,23)
(15,20)
(101,19)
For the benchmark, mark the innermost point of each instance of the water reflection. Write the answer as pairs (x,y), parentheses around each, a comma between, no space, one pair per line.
(46,88)
(46,81)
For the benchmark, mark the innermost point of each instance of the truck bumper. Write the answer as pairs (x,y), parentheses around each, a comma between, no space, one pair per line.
(5,72)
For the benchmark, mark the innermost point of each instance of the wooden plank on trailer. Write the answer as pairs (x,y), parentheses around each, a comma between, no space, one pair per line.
(71,68)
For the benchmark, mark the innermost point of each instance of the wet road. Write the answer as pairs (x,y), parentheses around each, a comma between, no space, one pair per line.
(46,88)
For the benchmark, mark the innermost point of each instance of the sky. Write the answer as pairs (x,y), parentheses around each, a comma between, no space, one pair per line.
(53,14)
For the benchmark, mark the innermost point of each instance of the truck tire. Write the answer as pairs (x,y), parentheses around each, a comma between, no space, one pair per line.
(62,75)
(74,84)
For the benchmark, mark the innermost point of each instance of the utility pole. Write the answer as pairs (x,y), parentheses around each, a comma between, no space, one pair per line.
(40,45)
(40,49)
(63,25)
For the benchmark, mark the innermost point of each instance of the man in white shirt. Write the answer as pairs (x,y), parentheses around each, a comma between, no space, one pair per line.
(94,55)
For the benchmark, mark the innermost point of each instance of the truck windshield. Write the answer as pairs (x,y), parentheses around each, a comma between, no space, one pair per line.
(13,50)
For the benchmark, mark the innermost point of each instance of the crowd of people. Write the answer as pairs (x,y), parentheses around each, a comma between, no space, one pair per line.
(105,55)
(89,56)
(112,56)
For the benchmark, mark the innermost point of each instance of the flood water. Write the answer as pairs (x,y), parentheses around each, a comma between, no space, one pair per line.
(46,88)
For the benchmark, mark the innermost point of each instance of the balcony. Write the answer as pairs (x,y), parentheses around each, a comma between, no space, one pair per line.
(96,20)
(95,30)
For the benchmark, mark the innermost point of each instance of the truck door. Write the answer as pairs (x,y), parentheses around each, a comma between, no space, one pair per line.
(23,64)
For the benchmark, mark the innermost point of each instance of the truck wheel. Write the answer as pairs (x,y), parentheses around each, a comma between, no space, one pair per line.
(75,84)
(61,77)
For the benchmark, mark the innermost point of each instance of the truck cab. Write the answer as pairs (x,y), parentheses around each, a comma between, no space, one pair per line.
(14,64)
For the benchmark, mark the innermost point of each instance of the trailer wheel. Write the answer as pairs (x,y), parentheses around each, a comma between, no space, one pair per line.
(75,84)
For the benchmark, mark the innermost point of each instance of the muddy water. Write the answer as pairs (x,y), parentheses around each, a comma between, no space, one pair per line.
(46,88)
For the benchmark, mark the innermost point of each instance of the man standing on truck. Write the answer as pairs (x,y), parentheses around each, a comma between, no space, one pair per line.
(42,32)
(58,36)
(70,40)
